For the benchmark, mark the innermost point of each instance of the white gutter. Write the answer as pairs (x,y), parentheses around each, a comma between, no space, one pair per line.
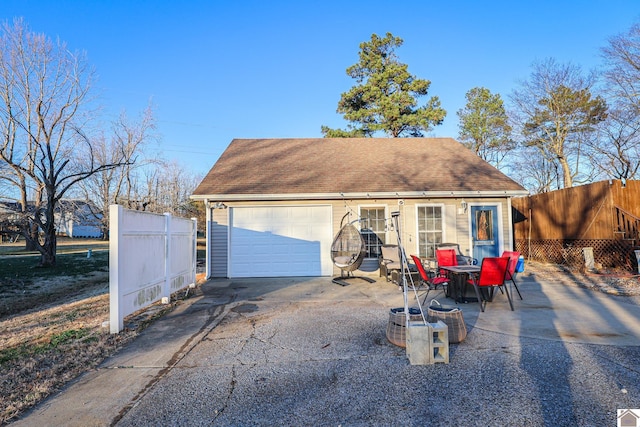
(371,195)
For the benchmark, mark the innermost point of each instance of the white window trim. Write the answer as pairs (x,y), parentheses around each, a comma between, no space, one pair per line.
(443,209)
(386,216)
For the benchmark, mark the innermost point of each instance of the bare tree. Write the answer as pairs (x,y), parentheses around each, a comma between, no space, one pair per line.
(617,150)
(44,88)
(124,146)
(556,113)
(535,170)
(622,73)
(168,187)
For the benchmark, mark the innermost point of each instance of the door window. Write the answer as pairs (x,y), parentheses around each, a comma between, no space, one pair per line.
(484,225)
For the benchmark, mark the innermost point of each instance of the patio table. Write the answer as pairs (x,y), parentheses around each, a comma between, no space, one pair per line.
(459,275)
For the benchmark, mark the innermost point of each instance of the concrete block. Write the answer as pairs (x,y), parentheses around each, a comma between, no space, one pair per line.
(419,343)
(439,342)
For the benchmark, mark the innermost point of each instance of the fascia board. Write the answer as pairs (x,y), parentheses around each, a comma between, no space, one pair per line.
(363,195)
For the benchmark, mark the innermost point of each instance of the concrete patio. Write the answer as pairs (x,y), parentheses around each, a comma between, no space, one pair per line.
(308,352)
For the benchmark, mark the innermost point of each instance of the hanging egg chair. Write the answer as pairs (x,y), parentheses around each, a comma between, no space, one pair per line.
(348,251)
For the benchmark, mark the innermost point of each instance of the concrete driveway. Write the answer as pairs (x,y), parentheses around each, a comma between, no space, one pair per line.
(305,351)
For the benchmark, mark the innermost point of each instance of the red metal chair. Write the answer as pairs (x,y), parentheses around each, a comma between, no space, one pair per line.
(429,282)
(511,269)
(493,273)
(461,259)
(446,258)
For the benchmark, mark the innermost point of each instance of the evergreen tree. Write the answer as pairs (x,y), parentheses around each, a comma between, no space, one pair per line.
(386,96)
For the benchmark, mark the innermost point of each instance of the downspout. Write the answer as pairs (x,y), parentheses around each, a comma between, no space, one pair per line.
(208,251)
(529,237)
(510,222)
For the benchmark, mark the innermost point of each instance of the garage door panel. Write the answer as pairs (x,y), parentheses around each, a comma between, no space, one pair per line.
(272,241)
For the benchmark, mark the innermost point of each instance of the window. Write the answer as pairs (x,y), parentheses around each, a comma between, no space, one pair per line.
(484,225)
(373,229)
(430,230)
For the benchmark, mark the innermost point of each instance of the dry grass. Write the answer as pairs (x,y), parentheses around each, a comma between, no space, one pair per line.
(41,350)
(52,329)
(608,282)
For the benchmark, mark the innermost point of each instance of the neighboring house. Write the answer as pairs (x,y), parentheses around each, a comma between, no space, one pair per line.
(73,218)
(9,215)
(8,210)
(77,218)
(273,206)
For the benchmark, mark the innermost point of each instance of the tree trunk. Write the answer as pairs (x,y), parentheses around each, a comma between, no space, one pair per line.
(29,228)
(32,239)
(48,253)
(566,172)
(48,256)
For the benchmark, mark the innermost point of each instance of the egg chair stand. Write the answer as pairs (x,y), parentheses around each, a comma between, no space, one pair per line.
(347,253)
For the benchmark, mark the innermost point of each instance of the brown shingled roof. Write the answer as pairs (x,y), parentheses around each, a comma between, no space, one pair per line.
(350,165)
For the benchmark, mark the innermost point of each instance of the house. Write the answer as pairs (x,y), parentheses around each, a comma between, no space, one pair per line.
(273,206)
(73,218)
(628,418)
(78,218)
(9,216)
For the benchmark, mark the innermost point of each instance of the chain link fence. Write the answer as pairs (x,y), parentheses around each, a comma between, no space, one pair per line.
(617,254)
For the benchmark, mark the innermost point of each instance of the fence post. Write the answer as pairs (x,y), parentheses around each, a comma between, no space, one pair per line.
(166,292)
(589,260)
(194,223)
(116,320)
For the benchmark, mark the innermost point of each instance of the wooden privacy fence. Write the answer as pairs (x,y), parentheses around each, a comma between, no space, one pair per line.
(151,256)
(555,226)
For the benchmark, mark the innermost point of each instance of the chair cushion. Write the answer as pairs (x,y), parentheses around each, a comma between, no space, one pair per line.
(342,260)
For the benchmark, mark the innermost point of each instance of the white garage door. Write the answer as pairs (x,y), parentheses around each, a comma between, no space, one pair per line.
(276,241)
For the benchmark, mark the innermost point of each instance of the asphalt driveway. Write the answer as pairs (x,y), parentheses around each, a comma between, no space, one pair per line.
(305,351)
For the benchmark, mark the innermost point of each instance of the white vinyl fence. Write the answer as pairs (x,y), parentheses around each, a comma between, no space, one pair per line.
(151,256)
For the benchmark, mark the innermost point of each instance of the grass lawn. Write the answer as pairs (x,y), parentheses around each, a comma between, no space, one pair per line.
(52,320)
(68,263)
(24,285)
(64,244)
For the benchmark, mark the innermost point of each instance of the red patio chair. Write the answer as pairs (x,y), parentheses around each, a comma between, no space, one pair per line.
(429,282)
(493,273)
(461,259)
(511,269)
(446,258)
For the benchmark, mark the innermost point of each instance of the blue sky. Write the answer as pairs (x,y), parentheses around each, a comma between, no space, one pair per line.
(217,70)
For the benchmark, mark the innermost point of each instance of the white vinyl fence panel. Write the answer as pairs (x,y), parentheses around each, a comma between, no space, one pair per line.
(151,256)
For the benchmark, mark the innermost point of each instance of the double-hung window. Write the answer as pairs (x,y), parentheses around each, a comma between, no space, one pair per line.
(373,229)
(430,229)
